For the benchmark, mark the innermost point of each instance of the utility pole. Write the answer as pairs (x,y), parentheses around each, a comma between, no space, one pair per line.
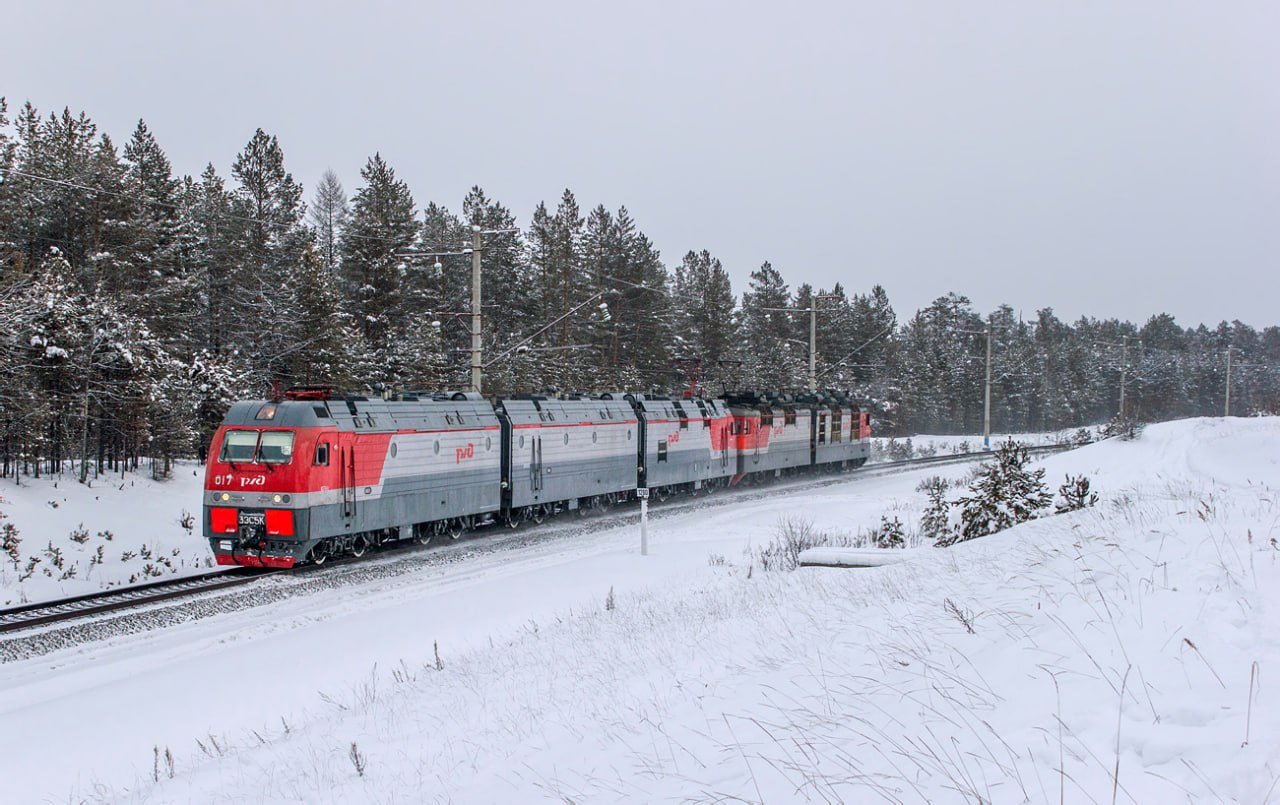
(986,403)
(813,346)
(1124,367)
(476,365)
(1226,405)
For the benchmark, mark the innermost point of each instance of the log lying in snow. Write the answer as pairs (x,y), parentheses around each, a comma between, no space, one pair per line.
(850,557)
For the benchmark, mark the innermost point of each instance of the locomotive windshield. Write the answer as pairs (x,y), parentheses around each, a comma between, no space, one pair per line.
(276,447)
(239,446)
(251,446)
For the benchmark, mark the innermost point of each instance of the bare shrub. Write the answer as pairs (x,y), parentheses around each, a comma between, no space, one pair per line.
(610,604)
(792,536)
(357,759)
(716,560)
(964,616)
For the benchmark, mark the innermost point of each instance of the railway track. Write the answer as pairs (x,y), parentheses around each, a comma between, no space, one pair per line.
(31,616)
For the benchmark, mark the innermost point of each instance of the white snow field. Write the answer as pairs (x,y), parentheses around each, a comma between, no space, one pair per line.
(1121,653)
(137,523)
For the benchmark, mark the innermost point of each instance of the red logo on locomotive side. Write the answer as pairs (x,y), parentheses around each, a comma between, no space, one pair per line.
(462,453)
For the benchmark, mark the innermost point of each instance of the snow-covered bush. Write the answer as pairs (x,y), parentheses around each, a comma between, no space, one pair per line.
(1123,427)
(935,523)
(11,543)
(1004,494)
(1075,495)
(890,534)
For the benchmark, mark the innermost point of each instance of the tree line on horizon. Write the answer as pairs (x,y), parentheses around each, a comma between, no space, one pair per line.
(137,304)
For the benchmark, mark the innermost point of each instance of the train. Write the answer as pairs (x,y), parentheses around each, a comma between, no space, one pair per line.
(315,473)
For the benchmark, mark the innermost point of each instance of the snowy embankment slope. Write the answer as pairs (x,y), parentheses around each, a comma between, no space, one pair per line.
(1010,668)
(114,531)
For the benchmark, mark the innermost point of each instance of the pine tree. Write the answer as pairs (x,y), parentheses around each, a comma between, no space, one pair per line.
(1004,494)
(771,359)
(331,347)
(151,277)
(383,223)
(268,245)
(328,216)
(705,330)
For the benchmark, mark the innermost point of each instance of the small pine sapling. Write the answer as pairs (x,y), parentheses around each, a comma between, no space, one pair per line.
(1005,493)
(11,543)
(80,534)
(935,524)
(890,534)
(1075,495)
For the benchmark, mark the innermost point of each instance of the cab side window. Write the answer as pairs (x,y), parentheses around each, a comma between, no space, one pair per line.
(322,454)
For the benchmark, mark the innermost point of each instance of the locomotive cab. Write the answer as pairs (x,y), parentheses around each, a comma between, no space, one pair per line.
(262,463)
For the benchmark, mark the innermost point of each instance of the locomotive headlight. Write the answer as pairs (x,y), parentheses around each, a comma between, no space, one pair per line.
(225,496)
(275,498)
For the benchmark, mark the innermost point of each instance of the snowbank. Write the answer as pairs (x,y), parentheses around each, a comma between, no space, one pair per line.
(1031,665)
(114,531)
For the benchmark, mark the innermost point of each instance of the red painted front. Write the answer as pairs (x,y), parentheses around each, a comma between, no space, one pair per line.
(301,474)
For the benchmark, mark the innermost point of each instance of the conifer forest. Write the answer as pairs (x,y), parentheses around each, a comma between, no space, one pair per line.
(137,304)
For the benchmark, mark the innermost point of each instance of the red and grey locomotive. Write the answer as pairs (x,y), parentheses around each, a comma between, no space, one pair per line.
(319,474)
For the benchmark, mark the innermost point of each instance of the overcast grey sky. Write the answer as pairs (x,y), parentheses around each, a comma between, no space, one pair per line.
(1108,158)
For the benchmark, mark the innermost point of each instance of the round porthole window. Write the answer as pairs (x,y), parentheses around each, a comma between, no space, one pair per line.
(628,435)
(594,436)
(488,443)
(566,438)
(436,448)
(393,450)
(522,440)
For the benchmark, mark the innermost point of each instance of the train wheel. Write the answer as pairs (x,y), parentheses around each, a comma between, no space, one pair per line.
(513,518)
(423,533)
(358,546)
(537,514)
(456,527)
(319,554)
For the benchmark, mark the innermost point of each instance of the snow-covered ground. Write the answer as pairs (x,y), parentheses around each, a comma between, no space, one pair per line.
(1115,653)
(130,529)
(925,445)
(116,530)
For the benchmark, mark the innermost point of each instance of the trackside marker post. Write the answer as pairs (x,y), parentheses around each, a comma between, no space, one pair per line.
(643,494)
